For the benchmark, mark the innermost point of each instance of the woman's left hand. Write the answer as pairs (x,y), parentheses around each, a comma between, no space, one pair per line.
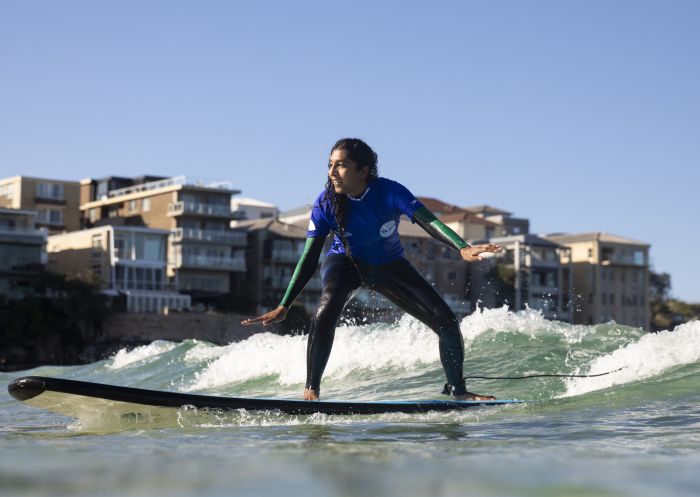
(472,253)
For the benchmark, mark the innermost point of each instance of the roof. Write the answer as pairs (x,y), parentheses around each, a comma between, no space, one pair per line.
(32,178)
(274,226)
(484,208)
(251,201)
(436,205)
(297,211)
(466,216)
(593,236)
(525,238)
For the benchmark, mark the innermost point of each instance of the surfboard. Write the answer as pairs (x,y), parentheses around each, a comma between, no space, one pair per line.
(69,397)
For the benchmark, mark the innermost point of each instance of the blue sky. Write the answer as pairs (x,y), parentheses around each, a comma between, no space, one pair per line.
(581,116)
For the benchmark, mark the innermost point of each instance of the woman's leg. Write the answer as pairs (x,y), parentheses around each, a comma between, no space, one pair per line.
(405,287)
(339,279)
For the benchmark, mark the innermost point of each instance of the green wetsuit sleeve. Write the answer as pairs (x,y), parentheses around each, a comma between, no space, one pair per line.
(304,270)
(437,229)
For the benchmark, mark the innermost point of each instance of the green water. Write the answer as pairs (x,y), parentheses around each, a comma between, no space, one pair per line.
(634,432)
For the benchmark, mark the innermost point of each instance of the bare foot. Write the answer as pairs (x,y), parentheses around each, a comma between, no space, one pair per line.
(310,394)
(473,396)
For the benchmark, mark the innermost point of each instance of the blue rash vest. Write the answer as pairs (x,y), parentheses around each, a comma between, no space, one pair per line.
(372,221)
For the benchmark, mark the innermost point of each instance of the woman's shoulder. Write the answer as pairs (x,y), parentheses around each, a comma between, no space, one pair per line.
(388,185)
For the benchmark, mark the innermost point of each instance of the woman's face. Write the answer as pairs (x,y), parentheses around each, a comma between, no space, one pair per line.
(344,174)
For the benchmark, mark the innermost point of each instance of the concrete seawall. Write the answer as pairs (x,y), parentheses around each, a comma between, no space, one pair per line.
(217,328)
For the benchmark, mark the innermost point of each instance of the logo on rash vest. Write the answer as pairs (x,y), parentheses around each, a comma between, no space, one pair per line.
(387,229)
(312,226)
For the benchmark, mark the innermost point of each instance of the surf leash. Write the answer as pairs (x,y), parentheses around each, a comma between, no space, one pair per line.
(541,376)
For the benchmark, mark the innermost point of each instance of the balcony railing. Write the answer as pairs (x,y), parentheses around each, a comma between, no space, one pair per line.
(184,207)
(623,260)
(174,181)
(227,237)
(156,286)
(29,235)
(212,262)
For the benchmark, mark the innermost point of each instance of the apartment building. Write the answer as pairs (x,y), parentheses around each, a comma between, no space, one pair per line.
(249,209)
(273,251)
(203,251)
(506,224)
(56,202)
(610,278)
(22,251)
(530,272)
(124,261)
(481,222)
(440,265)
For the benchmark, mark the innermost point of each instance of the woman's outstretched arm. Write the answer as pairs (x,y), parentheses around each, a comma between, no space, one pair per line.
(302,274)
(442,233)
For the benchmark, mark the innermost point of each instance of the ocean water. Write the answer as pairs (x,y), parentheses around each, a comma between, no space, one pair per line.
(634,432)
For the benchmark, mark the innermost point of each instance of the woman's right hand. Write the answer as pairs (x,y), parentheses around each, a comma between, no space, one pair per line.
(274,316)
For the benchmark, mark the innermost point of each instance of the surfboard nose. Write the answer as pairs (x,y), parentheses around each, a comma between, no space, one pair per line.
(26,388)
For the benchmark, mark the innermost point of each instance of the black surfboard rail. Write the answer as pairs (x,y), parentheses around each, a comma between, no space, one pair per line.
(29,387)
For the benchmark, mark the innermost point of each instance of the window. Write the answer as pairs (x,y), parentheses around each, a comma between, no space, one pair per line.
(120,247)
(146,204)
(6,191)
(93,214)
(49,190)
(50,216)
(132,205)
(96,246)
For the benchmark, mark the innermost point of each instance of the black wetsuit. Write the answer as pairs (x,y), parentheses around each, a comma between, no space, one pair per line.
(399,282)
(378,264)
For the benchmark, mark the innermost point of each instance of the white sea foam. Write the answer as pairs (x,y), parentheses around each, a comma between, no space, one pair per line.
(650,356)
(406,345)
(127,357)
(530,322)
(369,347)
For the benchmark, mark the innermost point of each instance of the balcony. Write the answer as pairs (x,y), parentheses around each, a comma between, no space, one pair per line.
(198,209)
(170,182)
(150,285)
(285,255)
(211,262)
(17,234)
(624,260)
(223,237)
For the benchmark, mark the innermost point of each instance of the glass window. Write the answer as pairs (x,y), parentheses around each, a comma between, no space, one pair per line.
(6,191)
(153,248)
(146,204)
(55,216)
(49,190)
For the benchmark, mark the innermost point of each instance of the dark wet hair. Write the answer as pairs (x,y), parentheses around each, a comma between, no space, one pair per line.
(362,155)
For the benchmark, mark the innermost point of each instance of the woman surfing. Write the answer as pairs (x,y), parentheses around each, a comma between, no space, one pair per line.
(363,211)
